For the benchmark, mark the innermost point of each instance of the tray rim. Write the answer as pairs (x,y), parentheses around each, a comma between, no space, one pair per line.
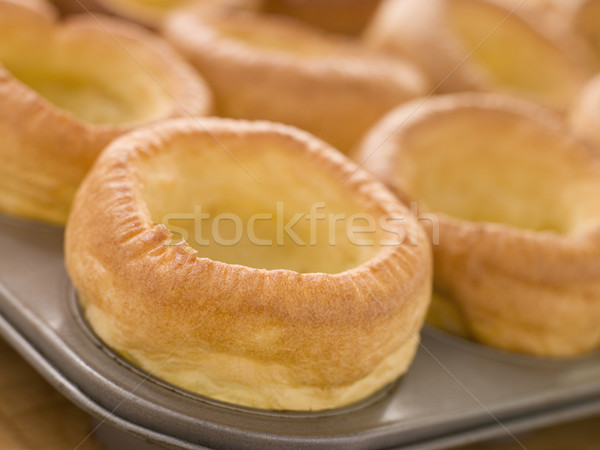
(64,385)
(14,320)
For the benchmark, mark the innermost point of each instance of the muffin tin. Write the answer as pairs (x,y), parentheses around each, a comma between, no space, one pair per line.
(456,391)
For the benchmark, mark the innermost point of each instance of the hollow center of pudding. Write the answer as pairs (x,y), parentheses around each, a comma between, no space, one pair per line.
(261,207)
(512,53)
(95,79)
(275,34)
(483,166)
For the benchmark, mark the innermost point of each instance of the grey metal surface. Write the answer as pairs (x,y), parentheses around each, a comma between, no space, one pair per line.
(455,392)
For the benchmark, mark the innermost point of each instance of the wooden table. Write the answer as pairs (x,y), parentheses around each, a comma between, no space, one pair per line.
(579,435)
(34,416)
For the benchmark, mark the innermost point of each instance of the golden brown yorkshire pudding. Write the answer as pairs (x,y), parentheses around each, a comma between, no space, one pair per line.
(513,205)
(521,48)
(276,68)
(67,89)
(338,16)
(584,114)
(301,284)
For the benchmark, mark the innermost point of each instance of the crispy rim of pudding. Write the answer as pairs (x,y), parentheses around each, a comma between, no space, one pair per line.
(512,201)
(283,327)
(584,114)
(523,49)
(68,88)
(296,74)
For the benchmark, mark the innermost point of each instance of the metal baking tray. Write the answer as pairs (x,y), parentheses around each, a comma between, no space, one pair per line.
(456,392)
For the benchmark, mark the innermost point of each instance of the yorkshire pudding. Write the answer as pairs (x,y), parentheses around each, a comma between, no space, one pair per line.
(512,204)
(248,262)
(277,68)
(67,89)
(521,48)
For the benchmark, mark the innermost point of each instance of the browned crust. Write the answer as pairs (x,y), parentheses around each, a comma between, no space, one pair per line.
(527,291)
(333,329)
(336,95)
(46,149)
